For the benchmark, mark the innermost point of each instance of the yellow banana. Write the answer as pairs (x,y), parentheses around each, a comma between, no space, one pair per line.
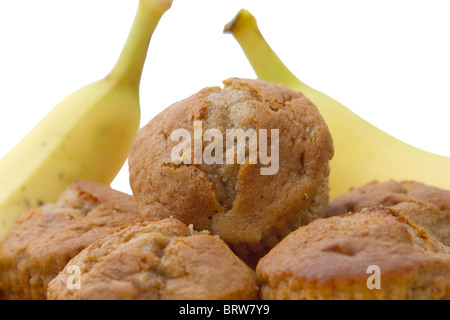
(87,136)
(362,151)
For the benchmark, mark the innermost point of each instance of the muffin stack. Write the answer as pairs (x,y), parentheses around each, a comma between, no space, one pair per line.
(230,201)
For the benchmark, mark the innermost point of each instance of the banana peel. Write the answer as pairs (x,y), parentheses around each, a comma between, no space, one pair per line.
(87,136)
(363,152)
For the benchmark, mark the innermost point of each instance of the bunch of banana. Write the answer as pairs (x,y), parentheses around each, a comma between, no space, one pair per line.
(87,136)
(362,152)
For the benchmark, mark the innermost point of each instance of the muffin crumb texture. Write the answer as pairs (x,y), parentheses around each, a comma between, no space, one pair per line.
(157,260)
(251,212)
(330,257)
(424,205)
(43,240)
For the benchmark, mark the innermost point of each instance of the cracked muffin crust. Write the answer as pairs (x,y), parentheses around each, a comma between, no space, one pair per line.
(43,240)
(330,257)
(427,206)
(157,260)
(251,212)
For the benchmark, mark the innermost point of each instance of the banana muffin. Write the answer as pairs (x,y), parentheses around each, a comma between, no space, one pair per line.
(251,192)
(373,254)
(427,206)
(155,260)
(43,240)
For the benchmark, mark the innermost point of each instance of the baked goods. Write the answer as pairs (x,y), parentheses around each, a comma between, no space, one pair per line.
(234,211)
(43,240)
(157,259)
(249,210)
(332,258)
(424,205)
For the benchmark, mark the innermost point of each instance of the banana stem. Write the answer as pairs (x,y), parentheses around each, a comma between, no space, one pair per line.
(263,59)
(130,64)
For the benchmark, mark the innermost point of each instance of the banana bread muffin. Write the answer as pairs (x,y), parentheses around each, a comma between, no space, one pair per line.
(156,260)
(373,254)
(427,206)
(43,240)
(250,204)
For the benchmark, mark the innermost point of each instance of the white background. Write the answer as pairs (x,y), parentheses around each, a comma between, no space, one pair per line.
(389,61)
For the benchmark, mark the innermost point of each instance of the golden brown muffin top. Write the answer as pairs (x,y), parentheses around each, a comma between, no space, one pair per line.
(329,258)
(424,205)
(157,259)
(236,201)
(43,240)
